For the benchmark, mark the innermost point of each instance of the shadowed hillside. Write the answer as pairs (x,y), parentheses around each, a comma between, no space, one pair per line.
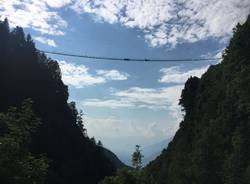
(61,137)
(213,142)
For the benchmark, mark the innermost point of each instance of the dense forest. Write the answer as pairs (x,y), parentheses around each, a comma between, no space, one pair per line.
(43,139)
(42,136)
(212,145)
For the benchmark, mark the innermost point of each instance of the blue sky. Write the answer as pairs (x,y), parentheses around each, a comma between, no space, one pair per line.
(128,103)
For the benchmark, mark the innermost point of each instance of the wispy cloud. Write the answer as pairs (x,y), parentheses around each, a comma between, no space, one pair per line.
(113,74)
(136,97)
(170,22)
(176,75)
(108,103)
(46,41)
(79,76)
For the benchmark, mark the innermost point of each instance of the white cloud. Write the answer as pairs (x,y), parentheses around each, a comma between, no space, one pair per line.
(79,75)
(136,97)
(34,14)
(151,97)
(170,22)
(217,54)
(114,126)
(109,103)
(46,41)
(57,3)
(113,74)
(163,22)
(175,75)
(105,10)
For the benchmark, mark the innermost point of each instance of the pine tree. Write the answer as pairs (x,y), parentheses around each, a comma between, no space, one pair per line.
(79,122)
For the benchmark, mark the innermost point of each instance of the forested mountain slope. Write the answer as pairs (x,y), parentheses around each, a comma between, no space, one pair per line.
(212,145)
(27,73)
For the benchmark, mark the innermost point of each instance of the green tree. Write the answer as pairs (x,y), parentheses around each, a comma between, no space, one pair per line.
(137,158)
(17,164)
(123,176)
